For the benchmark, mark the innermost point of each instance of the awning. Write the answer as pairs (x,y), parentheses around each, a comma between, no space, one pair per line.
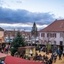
(2,55)
(15,60)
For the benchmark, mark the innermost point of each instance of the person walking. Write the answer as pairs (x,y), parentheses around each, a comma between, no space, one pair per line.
(59,52)
(63,52)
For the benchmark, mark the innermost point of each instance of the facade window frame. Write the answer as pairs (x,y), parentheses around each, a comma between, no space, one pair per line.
(42,34)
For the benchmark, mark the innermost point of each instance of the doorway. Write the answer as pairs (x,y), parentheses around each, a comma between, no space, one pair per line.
(61,45)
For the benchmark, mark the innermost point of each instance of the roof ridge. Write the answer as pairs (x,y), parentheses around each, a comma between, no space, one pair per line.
(48,25)
(57,25)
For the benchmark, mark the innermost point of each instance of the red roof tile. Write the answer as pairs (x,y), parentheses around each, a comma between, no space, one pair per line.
(12,33)
(56,26)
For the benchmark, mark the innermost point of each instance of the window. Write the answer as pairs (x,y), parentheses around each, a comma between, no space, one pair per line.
(42,34)
(61,34)
(54,35)
(48,34)
(51,34)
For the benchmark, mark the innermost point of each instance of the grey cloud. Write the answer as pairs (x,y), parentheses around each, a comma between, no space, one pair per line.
(19,1)
(24,16)
(16,1)
(1,2)
(18,28)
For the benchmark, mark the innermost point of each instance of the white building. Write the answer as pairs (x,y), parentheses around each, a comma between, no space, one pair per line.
(54,33)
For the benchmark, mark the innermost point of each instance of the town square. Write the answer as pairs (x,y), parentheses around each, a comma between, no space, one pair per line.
(31,32)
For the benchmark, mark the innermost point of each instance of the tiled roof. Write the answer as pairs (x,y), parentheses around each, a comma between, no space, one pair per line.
(12,33)
(56,26)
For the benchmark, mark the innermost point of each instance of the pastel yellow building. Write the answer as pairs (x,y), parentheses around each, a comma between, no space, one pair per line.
(1,35)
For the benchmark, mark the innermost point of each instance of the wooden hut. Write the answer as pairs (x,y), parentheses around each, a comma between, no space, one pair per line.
(27,51)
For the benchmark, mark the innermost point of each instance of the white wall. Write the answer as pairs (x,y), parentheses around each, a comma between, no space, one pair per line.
(57,39)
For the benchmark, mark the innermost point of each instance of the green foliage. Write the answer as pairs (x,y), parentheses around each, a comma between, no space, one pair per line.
(17,42)
(13,50)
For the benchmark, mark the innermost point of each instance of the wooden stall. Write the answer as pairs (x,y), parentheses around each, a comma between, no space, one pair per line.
(29,51)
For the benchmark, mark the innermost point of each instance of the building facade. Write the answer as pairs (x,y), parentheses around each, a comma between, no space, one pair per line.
(10,35)
(54,33)
(1,35)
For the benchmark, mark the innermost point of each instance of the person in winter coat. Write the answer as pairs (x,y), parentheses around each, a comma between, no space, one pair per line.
(59,52)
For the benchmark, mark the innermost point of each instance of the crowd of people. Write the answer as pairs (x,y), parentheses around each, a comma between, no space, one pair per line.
(2,62)
(43,58)
(57,52)
(4,48)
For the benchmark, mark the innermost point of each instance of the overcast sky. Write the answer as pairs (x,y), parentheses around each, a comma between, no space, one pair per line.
(20,14)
